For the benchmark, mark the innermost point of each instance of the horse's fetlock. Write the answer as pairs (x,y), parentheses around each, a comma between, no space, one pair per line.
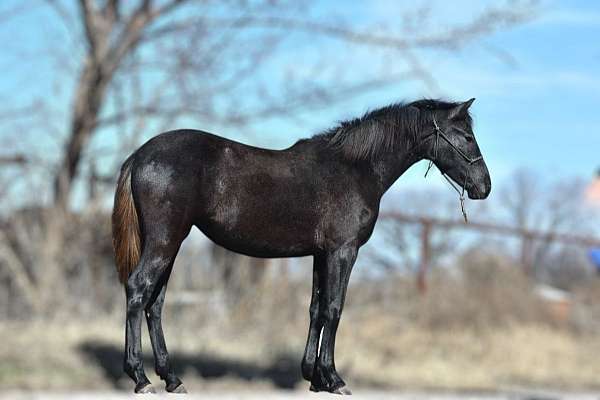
(130,367)
(162,370)
(307,368)
(161,366)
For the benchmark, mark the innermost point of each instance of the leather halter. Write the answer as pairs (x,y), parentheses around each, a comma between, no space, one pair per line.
(439,133)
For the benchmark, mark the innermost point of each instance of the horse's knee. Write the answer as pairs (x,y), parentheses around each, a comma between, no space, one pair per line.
(331,313)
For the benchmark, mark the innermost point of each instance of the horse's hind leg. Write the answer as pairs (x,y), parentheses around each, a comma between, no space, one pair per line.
(162,365)
(157,256)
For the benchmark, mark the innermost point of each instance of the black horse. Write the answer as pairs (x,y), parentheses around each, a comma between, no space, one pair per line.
(319,197)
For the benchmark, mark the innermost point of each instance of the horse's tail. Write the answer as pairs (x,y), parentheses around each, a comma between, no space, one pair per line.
(125,225)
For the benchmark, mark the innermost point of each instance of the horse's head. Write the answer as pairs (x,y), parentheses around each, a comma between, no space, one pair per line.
(455,152)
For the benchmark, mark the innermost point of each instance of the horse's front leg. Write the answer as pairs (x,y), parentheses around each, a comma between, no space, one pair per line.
(316,323)
(331,303)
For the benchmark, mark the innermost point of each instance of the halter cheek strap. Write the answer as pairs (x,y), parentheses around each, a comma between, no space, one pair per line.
(439,133)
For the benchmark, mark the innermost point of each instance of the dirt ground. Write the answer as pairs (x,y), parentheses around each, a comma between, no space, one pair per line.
(285,395)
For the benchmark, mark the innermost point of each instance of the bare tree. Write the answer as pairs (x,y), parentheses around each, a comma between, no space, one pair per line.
(532,203)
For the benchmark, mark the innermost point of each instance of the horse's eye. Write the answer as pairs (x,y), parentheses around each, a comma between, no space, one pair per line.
(469,138)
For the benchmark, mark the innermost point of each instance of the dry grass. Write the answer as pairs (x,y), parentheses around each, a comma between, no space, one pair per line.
(472,360)
(45,355)
(372,352)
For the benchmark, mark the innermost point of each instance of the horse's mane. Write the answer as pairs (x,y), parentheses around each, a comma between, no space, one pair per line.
(384,129)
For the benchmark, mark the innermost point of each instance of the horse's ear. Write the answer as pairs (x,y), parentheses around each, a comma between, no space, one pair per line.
(461,110)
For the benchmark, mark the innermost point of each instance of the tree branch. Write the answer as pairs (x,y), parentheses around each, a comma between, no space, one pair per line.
(89,17)
(132,33)
(453,38)
(17,159)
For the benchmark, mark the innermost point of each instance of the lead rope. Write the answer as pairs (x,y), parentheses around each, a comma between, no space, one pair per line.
(471,161)
(461,195)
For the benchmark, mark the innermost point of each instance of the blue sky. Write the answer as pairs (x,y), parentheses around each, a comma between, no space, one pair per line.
(541,113)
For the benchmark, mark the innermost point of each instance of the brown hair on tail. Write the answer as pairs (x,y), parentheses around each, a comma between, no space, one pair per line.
(125,225)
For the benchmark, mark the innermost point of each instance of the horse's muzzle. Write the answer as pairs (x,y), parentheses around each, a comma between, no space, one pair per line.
(480,190)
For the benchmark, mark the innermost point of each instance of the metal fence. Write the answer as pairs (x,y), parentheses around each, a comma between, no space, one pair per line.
(526,236)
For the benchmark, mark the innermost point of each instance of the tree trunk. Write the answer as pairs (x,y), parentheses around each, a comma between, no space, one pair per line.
(88,99)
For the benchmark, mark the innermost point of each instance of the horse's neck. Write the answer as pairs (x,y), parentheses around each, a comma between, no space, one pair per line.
(389,167)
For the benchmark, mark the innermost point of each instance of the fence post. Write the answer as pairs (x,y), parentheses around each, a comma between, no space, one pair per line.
(526,254)
(425,255)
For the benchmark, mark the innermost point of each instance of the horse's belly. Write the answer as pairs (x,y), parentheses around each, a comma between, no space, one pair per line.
(262,231)
(260,211)
(267,244)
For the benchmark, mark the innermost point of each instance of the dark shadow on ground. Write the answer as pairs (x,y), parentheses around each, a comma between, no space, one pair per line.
(284,373)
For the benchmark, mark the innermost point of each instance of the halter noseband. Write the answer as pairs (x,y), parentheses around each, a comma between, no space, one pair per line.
(461,192)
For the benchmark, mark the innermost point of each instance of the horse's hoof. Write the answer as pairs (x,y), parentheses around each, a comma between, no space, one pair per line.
(344,391)
(148,388)
(179,389)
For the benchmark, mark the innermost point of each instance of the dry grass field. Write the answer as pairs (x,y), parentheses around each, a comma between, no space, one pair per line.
(382,356)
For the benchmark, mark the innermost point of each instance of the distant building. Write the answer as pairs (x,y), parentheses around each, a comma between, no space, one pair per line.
(592,193)
(558,303)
